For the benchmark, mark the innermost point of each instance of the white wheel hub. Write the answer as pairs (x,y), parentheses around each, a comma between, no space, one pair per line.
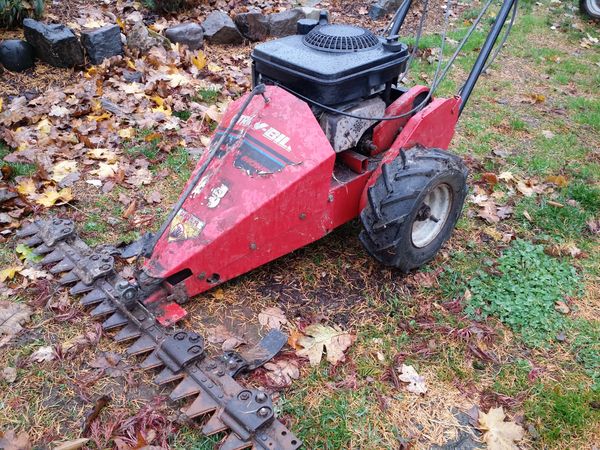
(432,216)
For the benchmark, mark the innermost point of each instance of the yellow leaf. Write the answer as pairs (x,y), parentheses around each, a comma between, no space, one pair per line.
(89,73)
(62,169)
(1,104)
(44,126)
(126,133)
(498,434)
(130,64)
(120,23)
(51,196)
(99,118)
(9,273)
(214,68)
(558,180)
(105,170)
(103,154)
(199,60)
(158,100)
(26,187)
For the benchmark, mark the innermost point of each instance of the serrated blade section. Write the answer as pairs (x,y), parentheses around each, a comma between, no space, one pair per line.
(144,344)
(115,321)
(93,298)
(202,405)
(68,278)
(33,241)
(42,249)
(167,376)
(81,288)
(126,334)
(54,257)
(64,266)
(184,389)
(213,426)
(28,230)
(232,442)
(103,309)
(153,361)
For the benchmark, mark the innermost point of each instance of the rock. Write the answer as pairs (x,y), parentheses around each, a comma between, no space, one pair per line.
(253,25)
(285,23)
(140,39)
(16,55)
(54,43)
(383,7)
(190,34)
(310,13)
(102,43)
(220,29)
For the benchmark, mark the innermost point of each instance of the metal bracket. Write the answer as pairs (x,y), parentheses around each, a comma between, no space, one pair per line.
(181,349)
(55,230)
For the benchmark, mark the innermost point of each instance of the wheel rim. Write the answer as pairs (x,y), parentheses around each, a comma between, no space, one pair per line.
(594,7)
(432,215)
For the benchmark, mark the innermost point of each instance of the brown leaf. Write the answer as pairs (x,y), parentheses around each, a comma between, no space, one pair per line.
(558,180)
(71,445)
(498,434)
(220,334)
(282,372)
(9,374)
(562,307)
(321,338)
(12,315)
(594,226)
(9,440)
(272,318)
(490,178)
(130,209)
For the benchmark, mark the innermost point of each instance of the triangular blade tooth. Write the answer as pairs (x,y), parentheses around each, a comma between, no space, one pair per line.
(54,257)
(184,389)
(68,278)
(153,361)
(33,241)
(202,405)
(93,298)
(131,331)
(213,426)
(115,321)
(42,249)
(81,288)
(142,345)
(28,230)
(167,376)
(103,309)
(234,443)
(63,266)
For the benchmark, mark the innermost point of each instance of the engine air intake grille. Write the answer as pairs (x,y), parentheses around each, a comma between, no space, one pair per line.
(340,38)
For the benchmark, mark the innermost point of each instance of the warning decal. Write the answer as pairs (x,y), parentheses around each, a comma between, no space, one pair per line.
(185,226)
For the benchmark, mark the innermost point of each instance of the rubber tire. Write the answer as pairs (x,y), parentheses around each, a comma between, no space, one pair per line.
(590,7)
(395,199)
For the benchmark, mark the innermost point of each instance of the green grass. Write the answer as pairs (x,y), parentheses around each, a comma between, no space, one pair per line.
(586,348)
(513,378)
(524,292)
(563,410)
(206,95)
(145,143)
(18,169)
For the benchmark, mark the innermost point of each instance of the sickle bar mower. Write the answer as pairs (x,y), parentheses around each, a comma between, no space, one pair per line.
(327,135)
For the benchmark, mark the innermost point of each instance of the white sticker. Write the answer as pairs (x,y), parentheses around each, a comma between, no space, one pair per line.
(216,195)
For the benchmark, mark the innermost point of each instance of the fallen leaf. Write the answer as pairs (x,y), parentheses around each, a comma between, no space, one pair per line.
(12,316)
(43,354)
(9,374)
(126,133)
(51,196)
(221,335)
(548,134)
(58,111)
(272,318)
(26,187)
(507,176)
(9,440)
(490,178)
(71,445)
(282,372)
(9,273)
(524,189)
(558,180)
(62,169)
(562,307)
(321,338)
(498,434)
(295,335)
(408,374)
(593,226)
(27,253)
(103,154)
(199,60)
(33,274)
(105,170)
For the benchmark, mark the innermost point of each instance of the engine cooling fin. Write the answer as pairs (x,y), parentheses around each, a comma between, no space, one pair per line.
(340,39)
(246,415)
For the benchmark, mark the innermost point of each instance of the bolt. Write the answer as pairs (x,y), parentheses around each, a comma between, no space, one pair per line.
(212,366)
(232,365)
(252,245)
(330,198)
(261,397)
(122,285)
(220,373)
(141,317)
(203,379)
(94,257)
(105,267)
(195,349)
(263,412)
(263,437)
(194,337)
(66,230)
(180,336)
(302,216)
(56,221)
(244,395)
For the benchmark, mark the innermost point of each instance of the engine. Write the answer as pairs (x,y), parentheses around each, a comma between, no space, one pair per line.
(338,66)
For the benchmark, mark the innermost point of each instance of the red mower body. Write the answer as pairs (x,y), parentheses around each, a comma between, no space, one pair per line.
(277,185)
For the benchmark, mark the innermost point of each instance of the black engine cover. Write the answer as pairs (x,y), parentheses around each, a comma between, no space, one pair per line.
(332,64)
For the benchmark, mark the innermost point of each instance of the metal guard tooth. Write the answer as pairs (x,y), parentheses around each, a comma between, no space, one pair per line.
(28,230)
(63,266)
(81,288)
(54,257)
(68,278)
(33,241)
(104,308)
(115,321)
(42,249)
(129,332)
